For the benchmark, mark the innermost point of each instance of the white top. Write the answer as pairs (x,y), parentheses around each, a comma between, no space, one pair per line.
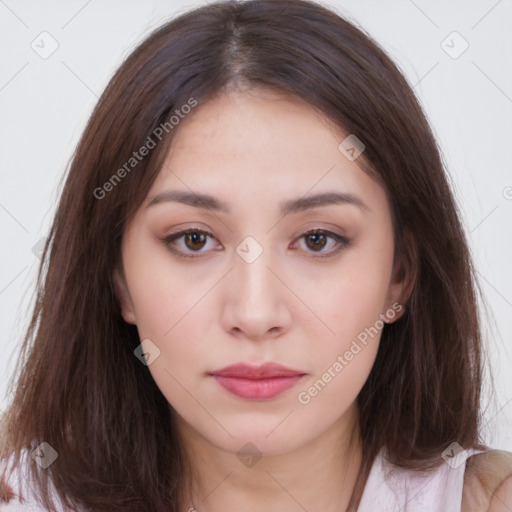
(388,488)
(392,489)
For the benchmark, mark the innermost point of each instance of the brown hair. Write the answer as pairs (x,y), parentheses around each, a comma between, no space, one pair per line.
(424,389)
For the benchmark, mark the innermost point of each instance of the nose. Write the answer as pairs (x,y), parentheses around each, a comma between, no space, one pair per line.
(257,305)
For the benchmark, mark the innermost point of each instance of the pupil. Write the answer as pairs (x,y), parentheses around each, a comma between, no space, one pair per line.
(193,237)
(316,237)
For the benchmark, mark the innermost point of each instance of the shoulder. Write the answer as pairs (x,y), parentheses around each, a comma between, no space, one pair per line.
(488,482)
(395,487)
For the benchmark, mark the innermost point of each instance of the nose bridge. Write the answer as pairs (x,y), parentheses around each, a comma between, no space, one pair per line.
(255,283)
(257,298)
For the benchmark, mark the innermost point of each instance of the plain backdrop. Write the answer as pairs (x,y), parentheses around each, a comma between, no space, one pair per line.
(456,54)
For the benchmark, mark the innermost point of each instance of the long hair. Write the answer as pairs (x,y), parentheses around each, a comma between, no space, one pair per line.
(118,448)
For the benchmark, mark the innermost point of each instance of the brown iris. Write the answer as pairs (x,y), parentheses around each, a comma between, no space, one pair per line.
(197,240)
(318,239)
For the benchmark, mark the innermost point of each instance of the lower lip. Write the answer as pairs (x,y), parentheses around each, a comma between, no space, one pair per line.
(260,389)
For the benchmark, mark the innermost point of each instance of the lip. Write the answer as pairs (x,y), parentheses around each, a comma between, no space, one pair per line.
(260,382)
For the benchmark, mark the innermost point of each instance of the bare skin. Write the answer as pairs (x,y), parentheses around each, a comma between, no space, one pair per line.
(253,150)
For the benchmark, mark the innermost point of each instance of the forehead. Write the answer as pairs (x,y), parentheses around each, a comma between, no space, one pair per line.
(256,145)
(246,121)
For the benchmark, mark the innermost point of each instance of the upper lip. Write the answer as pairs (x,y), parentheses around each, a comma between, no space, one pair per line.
(264,371)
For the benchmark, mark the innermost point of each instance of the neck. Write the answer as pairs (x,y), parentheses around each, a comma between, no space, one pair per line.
(319,475)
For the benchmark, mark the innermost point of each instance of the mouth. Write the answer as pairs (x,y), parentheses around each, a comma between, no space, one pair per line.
(257,382)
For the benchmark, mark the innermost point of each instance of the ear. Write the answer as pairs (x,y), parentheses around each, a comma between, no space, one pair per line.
(121,290)
(403,278)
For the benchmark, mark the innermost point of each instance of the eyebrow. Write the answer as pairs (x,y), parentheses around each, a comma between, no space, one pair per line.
(210,202)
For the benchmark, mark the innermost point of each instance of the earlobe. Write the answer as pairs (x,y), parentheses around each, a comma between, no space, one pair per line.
(125,301)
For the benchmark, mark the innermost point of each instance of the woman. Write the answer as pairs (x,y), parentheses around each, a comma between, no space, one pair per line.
(256,293)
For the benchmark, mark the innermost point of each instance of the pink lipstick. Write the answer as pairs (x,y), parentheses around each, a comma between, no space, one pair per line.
(257,382)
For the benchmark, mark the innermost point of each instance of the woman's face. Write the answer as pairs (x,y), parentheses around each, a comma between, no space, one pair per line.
(257,288)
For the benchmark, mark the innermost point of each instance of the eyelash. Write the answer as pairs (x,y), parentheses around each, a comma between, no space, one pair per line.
(342,241)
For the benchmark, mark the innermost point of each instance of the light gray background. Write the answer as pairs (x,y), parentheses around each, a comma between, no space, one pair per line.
(44,105)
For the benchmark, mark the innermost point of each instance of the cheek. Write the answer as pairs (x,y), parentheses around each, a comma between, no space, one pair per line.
(174,321)
(352,305)
(354,300)
(163,292)
(357,306)
(340,365)
(172,309)
(156,307)
(354,314)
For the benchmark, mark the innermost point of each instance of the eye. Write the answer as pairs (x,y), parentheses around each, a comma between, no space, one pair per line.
(194,240)
(318,239)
